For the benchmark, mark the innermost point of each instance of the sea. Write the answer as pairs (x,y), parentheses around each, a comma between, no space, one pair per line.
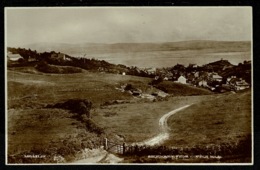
(159,59)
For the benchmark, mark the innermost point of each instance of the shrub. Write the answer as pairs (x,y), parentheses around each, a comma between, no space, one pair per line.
(78,106)
(93,127)
(156,81)
(128,87)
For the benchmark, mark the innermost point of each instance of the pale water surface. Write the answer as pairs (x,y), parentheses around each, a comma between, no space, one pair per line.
(168,58)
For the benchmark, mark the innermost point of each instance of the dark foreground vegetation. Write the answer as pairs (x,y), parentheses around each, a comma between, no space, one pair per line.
(89,134)
(240,152)
(81,108)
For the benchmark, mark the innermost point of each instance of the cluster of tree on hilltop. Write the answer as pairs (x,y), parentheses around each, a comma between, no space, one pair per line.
(225,69)
(242,70)
(59,59)
(24,52)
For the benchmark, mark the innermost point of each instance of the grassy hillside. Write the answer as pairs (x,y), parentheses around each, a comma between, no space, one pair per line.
(47,68)
(216,125)
(35,129)
(46,132)
(226,119)
(178,89)
(97,87)
(52,88)
(29,120)
(138,121)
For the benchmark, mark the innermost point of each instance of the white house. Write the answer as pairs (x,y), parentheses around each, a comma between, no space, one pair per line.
(217,77)
(241,85)
(196,74)
(203,83)
(166,78)
(151,70)
(182,80)
(59,56)
(14,57)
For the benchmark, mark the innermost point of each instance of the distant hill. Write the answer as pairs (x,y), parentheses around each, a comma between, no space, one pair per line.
(154,54)
(94,48)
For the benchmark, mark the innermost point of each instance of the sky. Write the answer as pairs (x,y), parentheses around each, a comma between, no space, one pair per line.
(126,24)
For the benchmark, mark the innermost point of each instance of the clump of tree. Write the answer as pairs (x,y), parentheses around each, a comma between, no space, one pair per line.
(156,81)
(242,70)
(135,71)
(77,106)
(129,87)
(81,108)
(93,127)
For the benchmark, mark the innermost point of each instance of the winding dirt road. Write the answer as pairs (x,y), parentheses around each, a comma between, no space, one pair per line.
(104,157)
(164,134)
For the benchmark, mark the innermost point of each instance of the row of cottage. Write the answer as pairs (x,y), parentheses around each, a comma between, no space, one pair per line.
(208,80)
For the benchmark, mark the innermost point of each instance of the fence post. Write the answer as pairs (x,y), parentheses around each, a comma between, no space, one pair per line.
(105,144)
(123,148)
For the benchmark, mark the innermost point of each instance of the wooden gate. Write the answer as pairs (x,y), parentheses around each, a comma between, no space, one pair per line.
(114,147)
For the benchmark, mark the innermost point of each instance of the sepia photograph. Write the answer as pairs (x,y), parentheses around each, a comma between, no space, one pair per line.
(129,85)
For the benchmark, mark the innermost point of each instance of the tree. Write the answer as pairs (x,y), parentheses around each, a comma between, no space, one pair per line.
(21,60)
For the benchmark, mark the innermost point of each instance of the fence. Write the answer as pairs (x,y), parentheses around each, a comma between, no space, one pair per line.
(222,150)
(114,147)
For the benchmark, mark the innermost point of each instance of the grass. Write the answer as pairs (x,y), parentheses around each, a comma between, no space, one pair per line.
(47,68)
(178,89)
(46,132)
(139,121)
(226,119)
(53,88)
(97,87)
(33,127)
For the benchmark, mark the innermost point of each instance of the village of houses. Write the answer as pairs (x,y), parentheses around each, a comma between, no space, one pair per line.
(194,75)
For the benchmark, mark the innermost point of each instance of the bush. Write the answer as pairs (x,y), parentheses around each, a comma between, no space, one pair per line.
(156,81)
(78,106)
(128,87)
(93,127)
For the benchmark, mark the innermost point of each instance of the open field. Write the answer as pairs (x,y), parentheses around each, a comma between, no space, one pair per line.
(212,119)
(52,88)
(33,128)
(139,121)
(178,89)
(226,119)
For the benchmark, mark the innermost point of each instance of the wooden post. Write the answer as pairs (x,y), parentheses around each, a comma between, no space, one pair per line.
(105,144)
(123,148)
